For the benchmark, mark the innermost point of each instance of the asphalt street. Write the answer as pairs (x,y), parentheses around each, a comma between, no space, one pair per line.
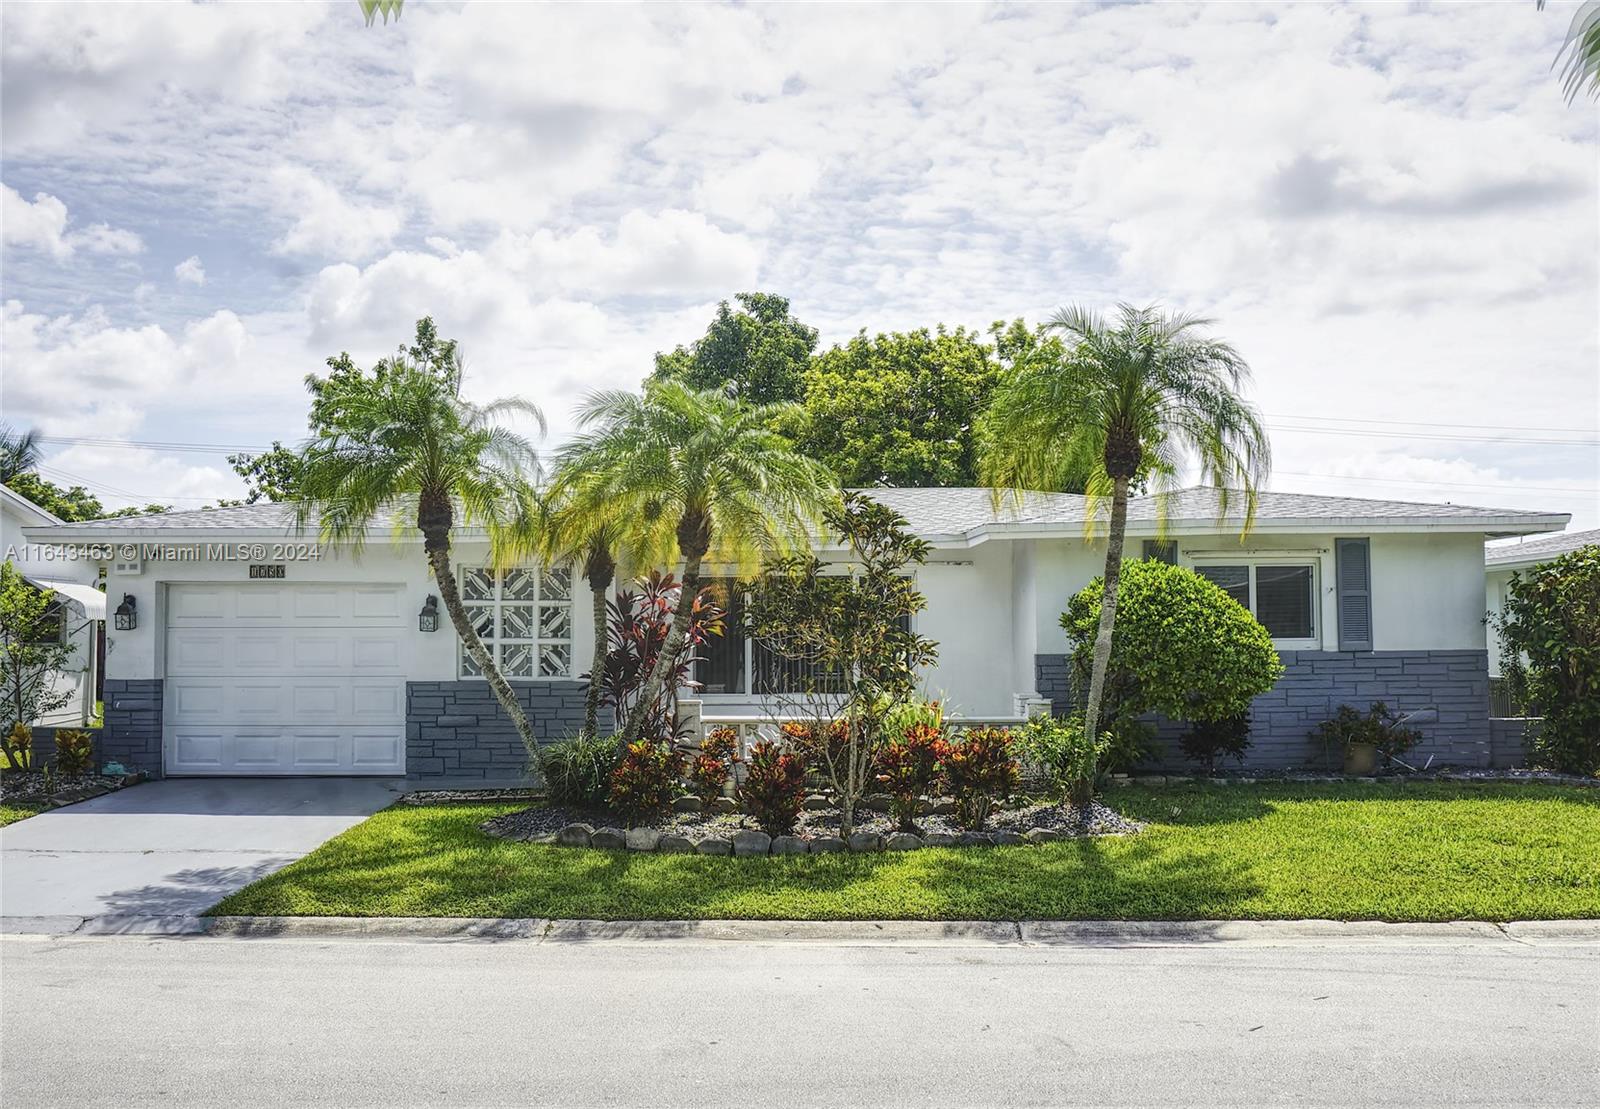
(204,1021)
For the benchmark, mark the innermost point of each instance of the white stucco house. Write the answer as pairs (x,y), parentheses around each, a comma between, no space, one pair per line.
(80,603)
(255,651)
(1503,559)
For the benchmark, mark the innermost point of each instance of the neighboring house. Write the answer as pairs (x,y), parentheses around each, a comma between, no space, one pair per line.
(80,604)
(256,652)
(1501,560)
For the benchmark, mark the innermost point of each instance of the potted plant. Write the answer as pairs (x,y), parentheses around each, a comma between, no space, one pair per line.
(1366,735)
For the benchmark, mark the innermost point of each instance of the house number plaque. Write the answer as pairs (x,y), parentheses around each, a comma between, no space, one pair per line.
(266,569)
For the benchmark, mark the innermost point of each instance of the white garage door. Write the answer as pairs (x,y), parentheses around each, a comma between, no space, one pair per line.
(278,678)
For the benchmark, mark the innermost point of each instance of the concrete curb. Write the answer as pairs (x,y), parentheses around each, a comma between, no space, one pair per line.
(848,933)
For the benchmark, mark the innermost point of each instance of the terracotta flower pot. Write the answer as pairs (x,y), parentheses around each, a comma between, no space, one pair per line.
(1360,759)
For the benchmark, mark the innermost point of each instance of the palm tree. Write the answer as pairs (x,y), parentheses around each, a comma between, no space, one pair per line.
(1133,396)
(403,437)
(19,452)
(1581,48)
(566,532)
(700,474)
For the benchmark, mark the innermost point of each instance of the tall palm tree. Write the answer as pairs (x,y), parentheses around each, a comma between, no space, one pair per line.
(405,437)
(700,474)
(1135,394)
(19,452)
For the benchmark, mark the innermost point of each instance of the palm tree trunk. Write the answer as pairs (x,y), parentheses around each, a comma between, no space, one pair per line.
(1108,613)
(591,705)
(689,590)
(439,559)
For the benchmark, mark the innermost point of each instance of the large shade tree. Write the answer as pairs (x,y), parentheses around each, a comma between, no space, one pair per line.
(757,352)
(402,439)
(699,474)
(1141,392)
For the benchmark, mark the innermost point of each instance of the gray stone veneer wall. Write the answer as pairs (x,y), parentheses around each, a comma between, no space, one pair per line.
(458,730)
(1315,683)
(132,731)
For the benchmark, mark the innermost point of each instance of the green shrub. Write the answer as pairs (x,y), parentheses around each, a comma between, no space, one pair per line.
(645,779)
(1208,740)
(774,787)
(709,770)
(1059,747)
(1182,647)
(1376,726)
(908,766)
(17,745)
(1550,655)
(578,771)
(74,751)
(980,770)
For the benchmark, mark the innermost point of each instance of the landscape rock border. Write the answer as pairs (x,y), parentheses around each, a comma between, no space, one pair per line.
(749,842)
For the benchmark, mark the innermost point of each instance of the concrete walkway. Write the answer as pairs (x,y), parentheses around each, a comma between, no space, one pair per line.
(165,851)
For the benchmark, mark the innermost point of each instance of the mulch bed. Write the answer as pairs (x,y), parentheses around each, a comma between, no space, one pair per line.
(32,789)
(1066,820)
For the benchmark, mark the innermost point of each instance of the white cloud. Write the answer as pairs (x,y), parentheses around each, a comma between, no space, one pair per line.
(41,224)
(752,192)
(190,271)
(327,223)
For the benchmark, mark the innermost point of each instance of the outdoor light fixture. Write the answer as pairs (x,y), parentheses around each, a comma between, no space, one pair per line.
(127,614)
(428,618)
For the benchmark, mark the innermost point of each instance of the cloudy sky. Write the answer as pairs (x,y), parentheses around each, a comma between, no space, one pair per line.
(1388,208)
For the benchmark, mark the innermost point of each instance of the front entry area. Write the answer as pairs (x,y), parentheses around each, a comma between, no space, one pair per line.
(276,678)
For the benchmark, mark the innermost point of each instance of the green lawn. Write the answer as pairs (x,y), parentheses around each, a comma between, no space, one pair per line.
(1384,851)
(10,814)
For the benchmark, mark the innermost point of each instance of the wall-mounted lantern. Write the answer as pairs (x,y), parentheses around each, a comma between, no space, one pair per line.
(428,618)
(127,614)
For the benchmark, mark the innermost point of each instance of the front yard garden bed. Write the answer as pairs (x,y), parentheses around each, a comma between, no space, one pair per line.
(1388,850)
(25,793)
(818,831)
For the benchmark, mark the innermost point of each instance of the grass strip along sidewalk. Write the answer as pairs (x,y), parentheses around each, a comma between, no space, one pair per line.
(1353,851)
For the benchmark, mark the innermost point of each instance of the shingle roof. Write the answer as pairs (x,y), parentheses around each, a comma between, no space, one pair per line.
(970,513)
(1538,548)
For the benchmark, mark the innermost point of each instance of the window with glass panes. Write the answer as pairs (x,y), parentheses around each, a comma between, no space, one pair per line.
(524,617)
(1282,596)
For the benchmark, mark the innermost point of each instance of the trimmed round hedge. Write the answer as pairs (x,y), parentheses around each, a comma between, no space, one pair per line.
(1181,646)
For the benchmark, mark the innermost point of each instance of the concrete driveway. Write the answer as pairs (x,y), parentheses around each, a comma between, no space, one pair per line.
(168,849)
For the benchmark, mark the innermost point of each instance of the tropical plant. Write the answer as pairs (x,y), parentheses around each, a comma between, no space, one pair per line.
(16,743)
(1205,741)
(758,352)
(1182,646)
(19,452)
(1581,48)
(72,504)
(1061,748)
(74,751)
(1131,396)
(711,765)
(578,771)
(1550,654)
(638,628)
(774,787)
(402,438)
(908,767)
(645,779)
(844,642)
(32,652)
(698,473)
(273,474)
(980,769)
(1377,727)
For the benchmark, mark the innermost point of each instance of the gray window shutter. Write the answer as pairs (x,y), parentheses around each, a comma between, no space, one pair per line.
(1162,550)
(1353,569)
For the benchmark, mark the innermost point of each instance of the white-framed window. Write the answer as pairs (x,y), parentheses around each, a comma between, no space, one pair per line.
(1282,595)
(524,617)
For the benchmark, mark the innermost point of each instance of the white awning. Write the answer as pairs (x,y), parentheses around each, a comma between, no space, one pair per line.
(86,597)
